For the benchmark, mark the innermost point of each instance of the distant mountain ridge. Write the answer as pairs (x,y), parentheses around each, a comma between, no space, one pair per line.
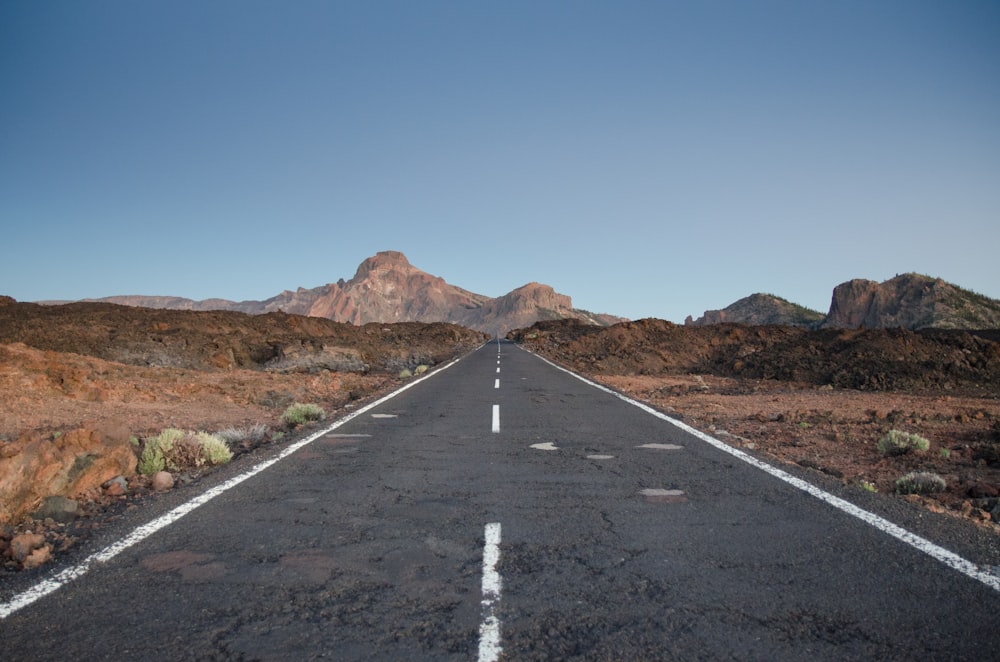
(387,288)
(909,301)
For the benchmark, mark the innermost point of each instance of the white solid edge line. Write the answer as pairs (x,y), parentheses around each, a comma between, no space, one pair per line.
(496,418)
(63,577)
(489,629)
(950,559)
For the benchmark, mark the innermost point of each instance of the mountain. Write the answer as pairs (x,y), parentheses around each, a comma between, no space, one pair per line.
(387,288)
(910,301)
(760,309)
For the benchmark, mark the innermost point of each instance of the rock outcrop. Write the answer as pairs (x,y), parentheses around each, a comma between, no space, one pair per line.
(35,466)
(760,309)
(910,301)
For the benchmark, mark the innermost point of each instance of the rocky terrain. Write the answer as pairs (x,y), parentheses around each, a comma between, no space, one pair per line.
(83,386)
(387,288)
(818,399)
(908,301)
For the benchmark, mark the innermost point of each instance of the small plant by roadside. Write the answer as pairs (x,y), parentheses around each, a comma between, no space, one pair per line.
(405,373)
(920,482)
(897,442)
(249,436)
(174,450)
(868,486)
(299,413)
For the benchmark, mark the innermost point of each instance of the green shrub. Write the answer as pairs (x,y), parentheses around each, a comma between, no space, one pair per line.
(405,373)
(420,369)
(920,482)
(299,413)
(897,442)
(154,453)
(175,450)
(151,460)
(214,451)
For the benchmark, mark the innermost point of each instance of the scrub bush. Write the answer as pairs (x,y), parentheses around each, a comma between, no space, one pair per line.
(920,482)
(897,442)
(175,450)
(251,436)
(299,414)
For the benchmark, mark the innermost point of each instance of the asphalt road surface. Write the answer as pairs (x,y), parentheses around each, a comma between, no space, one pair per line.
(503,508)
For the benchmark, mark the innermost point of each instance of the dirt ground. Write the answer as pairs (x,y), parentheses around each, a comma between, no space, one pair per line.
(817,399)
(92,371)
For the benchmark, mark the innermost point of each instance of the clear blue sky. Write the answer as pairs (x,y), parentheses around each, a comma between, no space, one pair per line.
(649,159)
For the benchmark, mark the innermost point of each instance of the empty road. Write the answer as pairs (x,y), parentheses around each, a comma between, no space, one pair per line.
(502,508)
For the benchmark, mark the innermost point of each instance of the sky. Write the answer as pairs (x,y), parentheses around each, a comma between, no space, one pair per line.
(648,159)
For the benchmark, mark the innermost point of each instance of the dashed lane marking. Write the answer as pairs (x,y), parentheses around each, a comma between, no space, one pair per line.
(489,629)
(496,418)
(496,384)
(545,446)
(662,447)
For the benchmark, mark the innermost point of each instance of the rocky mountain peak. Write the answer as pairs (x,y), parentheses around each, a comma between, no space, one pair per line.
(382,262)
(760,309)
(910,301)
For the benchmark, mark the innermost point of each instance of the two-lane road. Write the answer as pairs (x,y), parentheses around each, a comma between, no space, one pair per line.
(505,507)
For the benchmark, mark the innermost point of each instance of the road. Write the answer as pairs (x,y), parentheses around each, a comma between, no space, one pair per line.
(504,507)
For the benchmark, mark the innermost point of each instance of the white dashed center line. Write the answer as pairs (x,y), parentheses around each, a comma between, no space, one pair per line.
(496,418)
(496,384)
(489,629)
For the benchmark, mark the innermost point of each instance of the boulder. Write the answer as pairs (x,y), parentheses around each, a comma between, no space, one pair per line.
(162,481)
(23,544)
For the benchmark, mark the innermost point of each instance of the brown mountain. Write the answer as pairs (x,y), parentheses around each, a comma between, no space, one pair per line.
(910,301)
(387,288)
(760,309)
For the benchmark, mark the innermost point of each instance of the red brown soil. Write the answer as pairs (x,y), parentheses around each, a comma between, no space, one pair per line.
(816,399)
(81,370)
